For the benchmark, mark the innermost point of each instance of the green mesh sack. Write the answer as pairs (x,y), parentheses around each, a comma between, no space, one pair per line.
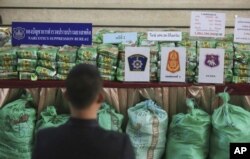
(109,119)
(189,134)
(230,124)
(147,129)
(17,122)
(50,118)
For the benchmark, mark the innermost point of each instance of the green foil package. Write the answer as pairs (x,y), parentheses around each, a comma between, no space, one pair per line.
(7,54)
(242,66)
(48,64)
(26,63)
(206,44)
(237,79)
(67,54)
(186,43)
(42,71)
(108,50)
(9,75)
(47,53)
(107,59)
(241,73)
(61,77)
(87,53)
(86,62)
(27,52)
(64,65)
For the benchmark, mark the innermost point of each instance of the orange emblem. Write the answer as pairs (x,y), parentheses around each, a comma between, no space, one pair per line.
(173,62)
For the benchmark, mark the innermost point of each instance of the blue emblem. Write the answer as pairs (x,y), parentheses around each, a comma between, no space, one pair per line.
(19,33)
(137,62)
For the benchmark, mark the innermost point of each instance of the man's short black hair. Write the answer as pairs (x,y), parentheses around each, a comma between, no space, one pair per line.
(83,85)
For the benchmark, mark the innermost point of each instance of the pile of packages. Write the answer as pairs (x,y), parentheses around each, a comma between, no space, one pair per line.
(32,62)
(228,59)
(154,51)
(87,55)
(66,60)
(107,61)
(27,61)
(191,57)
(8,63)
(46,66)
(241,63)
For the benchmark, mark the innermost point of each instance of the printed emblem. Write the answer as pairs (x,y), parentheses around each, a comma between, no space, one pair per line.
(212,60)
(173,62)
(137,62)
(19,33)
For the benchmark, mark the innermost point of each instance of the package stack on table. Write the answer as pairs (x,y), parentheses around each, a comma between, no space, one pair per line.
(154,49)
(8,63)
(191,56)
(87,55)
(241,64)
(228,62)
(27,61)
(66,58)
(46,66)
(107,61)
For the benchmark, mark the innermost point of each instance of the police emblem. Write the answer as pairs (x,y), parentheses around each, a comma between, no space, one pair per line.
(18,33)
(212,60)
(137,62)
(173,62)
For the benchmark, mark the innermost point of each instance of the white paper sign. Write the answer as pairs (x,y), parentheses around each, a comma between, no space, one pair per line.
(211,65)
(164,36)
(137,61)
(113,38)
(242,30)
(207,24)
(173,64)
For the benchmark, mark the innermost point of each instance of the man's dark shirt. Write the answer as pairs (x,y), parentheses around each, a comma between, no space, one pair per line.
(81,139)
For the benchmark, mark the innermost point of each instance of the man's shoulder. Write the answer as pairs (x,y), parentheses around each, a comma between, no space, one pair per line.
(51,131)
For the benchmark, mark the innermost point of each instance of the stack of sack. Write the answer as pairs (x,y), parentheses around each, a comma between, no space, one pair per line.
(66,58)
(87,55)
(109,119)
(230,125)
(50,118)
(17,123)
(188,135)
(46,66)
(147,129)
(27,61)
(8,63)
(154,52)
(107,61)
(241,63)
(229,55)
(191,56)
